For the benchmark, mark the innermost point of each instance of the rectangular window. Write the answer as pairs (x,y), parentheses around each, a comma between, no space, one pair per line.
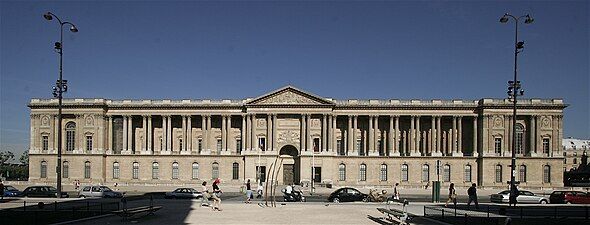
(238,145)
(66,170)
(339,147)
(89,143)
(498,174)
(87,170)
(467,173)
(195,171)
(43,169)
(200,144)
(175,170)
(262,143)
(383,174)
(405,172)
(546,146)
(316,144)
(116,171)
(235,171)
(218,146)
(135,171)
(363,172)
(359,147)
(342,172)
(45,142)
(498,146)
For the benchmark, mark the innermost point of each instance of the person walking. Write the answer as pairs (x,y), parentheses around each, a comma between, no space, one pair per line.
(205,194)
(452,196)
(513,195)
(472,192)
(216,196)
(395,192)
(1,190)
(249,194)
(259,190)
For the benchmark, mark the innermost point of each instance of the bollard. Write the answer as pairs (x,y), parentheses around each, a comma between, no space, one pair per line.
(555,213)
(521,212)
(25,206)
(101,208)
(443,213)
(488,211)
(87,206)
(55,206)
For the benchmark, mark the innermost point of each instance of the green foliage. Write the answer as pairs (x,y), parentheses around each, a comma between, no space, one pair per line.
(14,171)
(6,156)
(24,158)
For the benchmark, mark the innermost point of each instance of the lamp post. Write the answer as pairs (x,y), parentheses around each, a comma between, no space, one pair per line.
(58,90)
(514,87)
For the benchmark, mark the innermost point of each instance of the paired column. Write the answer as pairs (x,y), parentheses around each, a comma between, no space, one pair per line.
(439,149)
(417,134)
(268,144)
(189,135)
(432,147)
(532,141)
(110,135)
(228,136)
(243,138)
(204,133)
(349,136)
(307,132)
(253,143)
(390,145)
(302,138)
(323,142)
(371,135)
(334,129)
(475,150)
(144,127)
(125,134)
(376,136)
(459,149)
(209,135)
(274,132)
(223,134)
(354,146)
(169,146)
(150,136)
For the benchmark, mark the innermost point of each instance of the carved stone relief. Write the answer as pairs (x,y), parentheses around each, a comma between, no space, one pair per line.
(315,123)
(260,123)
(546,122)
(288,98)
(498,122)
(288,137)
(45,121)
(89,121)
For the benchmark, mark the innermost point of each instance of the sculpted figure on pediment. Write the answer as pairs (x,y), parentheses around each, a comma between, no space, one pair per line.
(288,137)
(288,98)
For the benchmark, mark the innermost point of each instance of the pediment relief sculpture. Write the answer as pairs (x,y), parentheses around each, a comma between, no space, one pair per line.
(288,97)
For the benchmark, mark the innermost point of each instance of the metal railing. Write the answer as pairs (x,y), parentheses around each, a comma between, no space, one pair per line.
(44,212)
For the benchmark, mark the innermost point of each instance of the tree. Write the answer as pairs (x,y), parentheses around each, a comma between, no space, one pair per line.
(6,156)
(24,158)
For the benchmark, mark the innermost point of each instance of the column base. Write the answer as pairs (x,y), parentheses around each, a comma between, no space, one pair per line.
(534,154)
(415,154)
(185,152)
(126,152)
(373,153)
(166,152)
(225,153)
(437,154)
(146,152)
(109,152)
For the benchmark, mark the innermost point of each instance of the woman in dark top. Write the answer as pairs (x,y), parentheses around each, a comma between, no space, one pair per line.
(216,196)
(452,195)
(248,192)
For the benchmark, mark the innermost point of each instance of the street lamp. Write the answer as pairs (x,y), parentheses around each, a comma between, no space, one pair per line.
(514,86)
(58,90)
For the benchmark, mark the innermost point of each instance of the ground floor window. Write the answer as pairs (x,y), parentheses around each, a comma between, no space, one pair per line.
(235,171)
(215,170)
(195,171)
(87,170)
(467,173)
(383,174)
(175,170)
(342,172)
(363,172)
(404,172)
(135,171)
(116,170)
(425,173)
(498,173)
(546,174)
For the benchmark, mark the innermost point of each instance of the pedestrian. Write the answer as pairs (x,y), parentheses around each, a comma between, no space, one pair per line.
(216,196)
(1,190)
(452,196)
(116,186)
(259,190)
(249,194)
(395,192)
(77,184)
(472,192)
(513,195)
(205,194)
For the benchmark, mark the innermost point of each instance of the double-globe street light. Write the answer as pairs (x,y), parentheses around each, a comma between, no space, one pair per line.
(514,87)
(58,90)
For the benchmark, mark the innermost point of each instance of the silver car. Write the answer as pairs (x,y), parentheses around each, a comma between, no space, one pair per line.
(184,193)
(98,191)
(523,197)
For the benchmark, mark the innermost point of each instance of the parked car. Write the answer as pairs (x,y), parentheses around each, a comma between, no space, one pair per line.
(347,194)
(42,191)
(577,197)
(523,197)
(558,197)
(98,191)
(10,191)
(184,193)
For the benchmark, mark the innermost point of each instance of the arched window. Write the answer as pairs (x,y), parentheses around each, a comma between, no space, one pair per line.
(383,174)
(87,169)
(467,175)
(174,170)
(135,171)
(215,170)
(155,170)
(195,171)
(522,173)
(519,139)
(546,174)
(70,136)
(498,173)
(447,173)
(425,173)
(66,169)
(43,169)
(342,172)
(405,172)
(116,170)
(235,171)
(363,172)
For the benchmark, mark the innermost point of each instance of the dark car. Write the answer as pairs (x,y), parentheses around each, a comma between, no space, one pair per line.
(347,195)
(42,191)
(184,193)
(10,191)
(577,197)
(558,197)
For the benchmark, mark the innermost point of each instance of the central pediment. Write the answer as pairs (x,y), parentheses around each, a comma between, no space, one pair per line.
(289,96)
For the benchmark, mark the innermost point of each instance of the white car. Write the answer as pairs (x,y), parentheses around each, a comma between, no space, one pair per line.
(523,197)
(184,193)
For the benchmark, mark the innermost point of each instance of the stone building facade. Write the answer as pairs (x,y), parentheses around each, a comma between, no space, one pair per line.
(573,150)
(348,142)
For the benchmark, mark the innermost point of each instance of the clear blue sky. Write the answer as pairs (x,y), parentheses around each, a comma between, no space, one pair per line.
(227,50)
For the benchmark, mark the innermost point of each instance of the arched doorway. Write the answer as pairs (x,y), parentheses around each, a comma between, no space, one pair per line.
(290,167)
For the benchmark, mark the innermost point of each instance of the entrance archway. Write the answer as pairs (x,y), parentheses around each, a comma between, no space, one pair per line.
(290,167)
